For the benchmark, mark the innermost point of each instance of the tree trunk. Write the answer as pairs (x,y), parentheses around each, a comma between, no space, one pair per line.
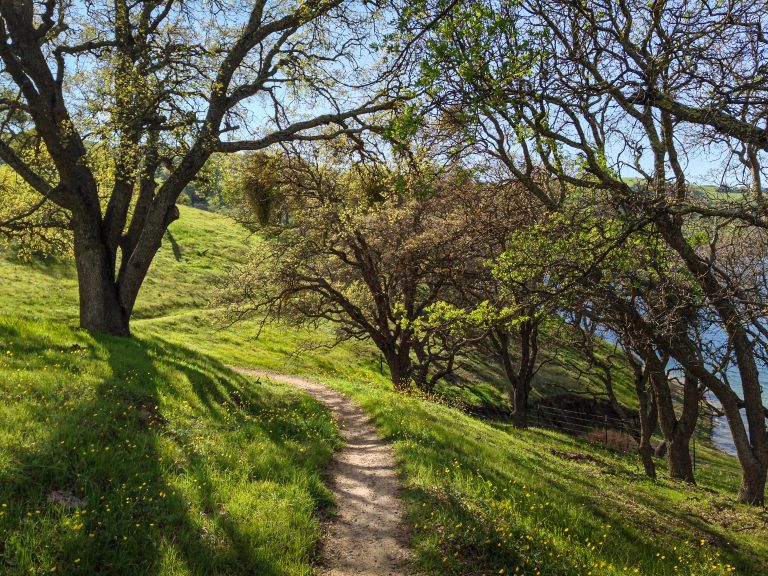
(754,464)
(679,457)
(520,397)
(420,372)
(677,431)
(400,379)
(100,309)
(752,489)
(520,376)
(648,419)
(645,449)
(106,298)
(399,369)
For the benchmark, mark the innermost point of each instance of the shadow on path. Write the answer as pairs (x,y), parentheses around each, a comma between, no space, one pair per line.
(367,536)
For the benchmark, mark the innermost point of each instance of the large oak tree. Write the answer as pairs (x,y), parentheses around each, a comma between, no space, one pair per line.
(156,87)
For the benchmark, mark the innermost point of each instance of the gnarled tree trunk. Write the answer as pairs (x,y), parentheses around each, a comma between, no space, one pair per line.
(519,374)
(100,309)
(520,398)
(107,297)
(677,431)
(649,415)
(398,360)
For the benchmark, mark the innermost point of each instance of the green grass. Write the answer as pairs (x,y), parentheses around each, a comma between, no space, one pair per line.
(484,499)
(240,464)
(179,465)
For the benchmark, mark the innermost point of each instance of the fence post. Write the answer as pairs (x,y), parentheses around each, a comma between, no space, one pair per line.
(605,428)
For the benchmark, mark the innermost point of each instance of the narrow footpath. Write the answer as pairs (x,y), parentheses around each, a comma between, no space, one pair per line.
(366,537)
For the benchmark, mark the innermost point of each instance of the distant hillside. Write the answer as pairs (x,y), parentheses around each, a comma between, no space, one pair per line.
(711,191)
(197,250)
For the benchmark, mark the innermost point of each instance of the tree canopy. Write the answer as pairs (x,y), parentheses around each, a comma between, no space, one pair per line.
(162,85)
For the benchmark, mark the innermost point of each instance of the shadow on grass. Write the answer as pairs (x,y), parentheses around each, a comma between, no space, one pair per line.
(174,245)
(97,493)
(475,495)
(51,265)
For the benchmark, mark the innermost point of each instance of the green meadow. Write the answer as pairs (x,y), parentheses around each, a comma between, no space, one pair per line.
(149,455)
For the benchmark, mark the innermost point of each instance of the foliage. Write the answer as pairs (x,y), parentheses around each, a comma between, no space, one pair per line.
(368,249)
(29,227)
(571,97)
(157,89)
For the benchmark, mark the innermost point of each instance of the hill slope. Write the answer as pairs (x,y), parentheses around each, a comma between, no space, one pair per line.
(173,302)
(114,423)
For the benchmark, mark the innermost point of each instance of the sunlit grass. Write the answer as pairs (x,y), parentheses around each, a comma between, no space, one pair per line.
(136,457)
(184,467)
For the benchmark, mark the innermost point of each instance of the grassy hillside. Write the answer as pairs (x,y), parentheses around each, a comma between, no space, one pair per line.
(195,250)
(139,457)
(178,466)
(174,302)
(492,500)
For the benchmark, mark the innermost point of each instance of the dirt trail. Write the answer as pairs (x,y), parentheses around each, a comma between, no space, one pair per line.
(367,536)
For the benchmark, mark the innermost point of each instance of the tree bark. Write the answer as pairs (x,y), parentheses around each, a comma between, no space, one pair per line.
(679,458)
(649,417)
(645,449)
(99,299)
(420,372)
(677,431)
(519,375)
(100,309)
(752,488)
(520,413)
(400,368)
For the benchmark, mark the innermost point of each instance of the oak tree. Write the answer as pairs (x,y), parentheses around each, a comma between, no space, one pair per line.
(157,87)
(367,247)
(594,91)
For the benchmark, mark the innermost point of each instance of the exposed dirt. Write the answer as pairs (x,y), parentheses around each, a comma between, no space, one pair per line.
(367,536)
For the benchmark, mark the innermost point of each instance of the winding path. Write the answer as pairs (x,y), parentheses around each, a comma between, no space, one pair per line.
(366,537)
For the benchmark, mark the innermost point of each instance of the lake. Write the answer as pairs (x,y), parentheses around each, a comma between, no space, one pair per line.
(721,433)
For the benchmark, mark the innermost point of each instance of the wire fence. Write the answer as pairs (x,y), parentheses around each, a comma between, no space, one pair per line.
(596,424)
(599,428)
(610,431)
